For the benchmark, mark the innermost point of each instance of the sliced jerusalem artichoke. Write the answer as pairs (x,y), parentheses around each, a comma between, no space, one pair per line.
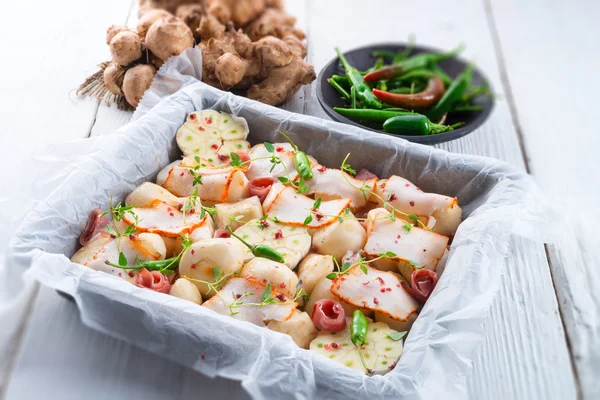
(375,290)
(242,299)
(104,247)
(217,185)
(281,277)
(292,242)
(403,195)
(299,326)
(205,132)
(262,167)
(312,268)
(210,260)
(237,214)
(413,247)
(380,351)
(186,290)
(340,237)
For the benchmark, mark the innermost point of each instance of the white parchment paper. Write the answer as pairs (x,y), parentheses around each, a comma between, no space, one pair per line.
(497,201)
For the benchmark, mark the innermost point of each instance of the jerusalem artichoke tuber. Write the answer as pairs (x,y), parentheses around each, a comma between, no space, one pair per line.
(169,37)
(125,47)
(113,78)
(136,81)
(149,18)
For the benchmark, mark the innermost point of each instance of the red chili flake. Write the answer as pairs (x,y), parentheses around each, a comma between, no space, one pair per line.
(169,209)
(279,148)
(366,283)
(335,345)
(202,356)
(393,197)
(264,223)
(223,157)
(419,189)
(393,365)
(321,169)
(113,237)
(179,206)
(380,279)
(193,251)
(388,289)
(201,128)
(375,300)
(120,274)
(171,214)
(182,173)
(208,120)
(264,281)
(131,274)
(192,116)
(412,203)
(192,210)
(313,249)
(395,241)
(382,290)
(237,296)
(407,184)
(280,297)
(397,285)
(278,234)
(398,236)
(277,266)
(342,279)
(193,266)
(215,146)
(424,250)
(327,346)
(319,217)
(282,285)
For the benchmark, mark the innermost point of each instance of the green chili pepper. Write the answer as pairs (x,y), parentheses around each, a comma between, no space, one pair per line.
(339,88)
(370,115)
(342,80)
(358,334)
(168,264)
(363,90)
(302,164)
(453,95)
(260,250)
(415,124)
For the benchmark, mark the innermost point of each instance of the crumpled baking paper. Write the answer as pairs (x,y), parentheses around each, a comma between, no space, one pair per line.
(498,202)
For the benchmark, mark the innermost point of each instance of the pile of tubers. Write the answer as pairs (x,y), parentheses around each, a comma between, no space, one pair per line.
(250,46)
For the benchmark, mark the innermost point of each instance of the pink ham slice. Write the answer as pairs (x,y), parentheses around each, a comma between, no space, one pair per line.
(152,280)
(96,223)
(260,187)
(422,283)
(329,315)
(365,175)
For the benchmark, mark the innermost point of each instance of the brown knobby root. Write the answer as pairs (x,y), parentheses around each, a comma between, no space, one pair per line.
(113,78)
(149,18)
(169,37)
(137,79)
(125,47)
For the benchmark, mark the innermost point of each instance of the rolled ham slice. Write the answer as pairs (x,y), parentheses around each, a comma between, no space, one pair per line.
(330,183)
(329,315)
(422,283)
(376,290)
(234,290)
(96,223)
(260,187)
(408,198)
(413,247)
(152,280)
(292,208)
(219,184)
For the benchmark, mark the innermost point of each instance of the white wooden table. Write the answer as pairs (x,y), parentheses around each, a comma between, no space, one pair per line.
(543,331)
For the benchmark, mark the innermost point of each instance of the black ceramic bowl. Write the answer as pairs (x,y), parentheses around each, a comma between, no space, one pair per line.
(362,58)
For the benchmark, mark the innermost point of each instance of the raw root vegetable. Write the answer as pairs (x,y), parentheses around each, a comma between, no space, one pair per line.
(191,15)
(125,47)
(206,132)
(381,350)
(113,30)
(299,326)
(184,289)
(113,78)
(273,22)
(169,37)
(136,81)
(148,19)
(240,12)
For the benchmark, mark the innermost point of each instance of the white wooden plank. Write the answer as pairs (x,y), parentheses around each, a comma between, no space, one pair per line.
(555,99)
(65,360)
(49,59)
(526,304)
